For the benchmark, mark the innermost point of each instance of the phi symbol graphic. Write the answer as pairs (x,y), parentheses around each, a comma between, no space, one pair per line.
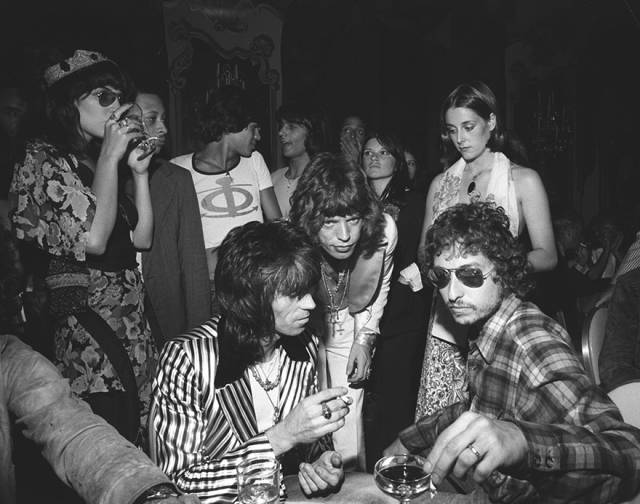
(228,201)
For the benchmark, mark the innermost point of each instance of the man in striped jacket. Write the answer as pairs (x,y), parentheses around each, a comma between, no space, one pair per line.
(244,383)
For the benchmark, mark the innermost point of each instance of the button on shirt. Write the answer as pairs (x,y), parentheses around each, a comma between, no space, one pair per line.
(522,369)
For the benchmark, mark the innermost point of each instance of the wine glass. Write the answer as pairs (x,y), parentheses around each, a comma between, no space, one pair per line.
(147,142)
(402,477)
(258,481)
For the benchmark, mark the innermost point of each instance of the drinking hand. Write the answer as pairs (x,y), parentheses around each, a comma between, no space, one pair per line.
(117,134)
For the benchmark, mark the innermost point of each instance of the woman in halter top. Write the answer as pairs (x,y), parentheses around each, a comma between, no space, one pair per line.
(471,129)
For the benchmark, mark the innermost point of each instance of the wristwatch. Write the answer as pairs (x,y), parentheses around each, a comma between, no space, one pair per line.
(157,492)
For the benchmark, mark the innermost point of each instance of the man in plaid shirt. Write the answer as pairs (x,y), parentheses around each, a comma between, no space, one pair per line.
(534,428)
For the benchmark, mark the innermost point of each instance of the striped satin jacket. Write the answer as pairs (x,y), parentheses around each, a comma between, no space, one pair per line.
(202,422)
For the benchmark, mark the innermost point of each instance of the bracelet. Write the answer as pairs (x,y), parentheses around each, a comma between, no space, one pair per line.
(366,337)
(157,492)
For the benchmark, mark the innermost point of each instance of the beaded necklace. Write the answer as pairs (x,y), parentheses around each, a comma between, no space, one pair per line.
(268,385)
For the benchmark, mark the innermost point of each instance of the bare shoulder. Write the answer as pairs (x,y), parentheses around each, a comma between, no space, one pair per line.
(435,184)
(437,179)
(525,178)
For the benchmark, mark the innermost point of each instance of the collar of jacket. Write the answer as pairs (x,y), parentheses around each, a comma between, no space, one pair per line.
(366,278)
(231,368)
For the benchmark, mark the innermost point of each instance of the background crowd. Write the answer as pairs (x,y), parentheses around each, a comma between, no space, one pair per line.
(112,246)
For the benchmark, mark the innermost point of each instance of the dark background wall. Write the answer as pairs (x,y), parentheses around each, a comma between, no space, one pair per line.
(393,61)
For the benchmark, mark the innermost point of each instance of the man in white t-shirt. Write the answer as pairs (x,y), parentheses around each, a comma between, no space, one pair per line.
(232,182)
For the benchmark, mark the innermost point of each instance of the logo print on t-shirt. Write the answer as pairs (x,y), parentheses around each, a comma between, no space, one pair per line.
(223,203)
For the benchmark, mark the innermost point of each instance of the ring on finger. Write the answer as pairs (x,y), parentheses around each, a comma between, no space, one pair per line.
(326,411)
(475,451)
(123,123)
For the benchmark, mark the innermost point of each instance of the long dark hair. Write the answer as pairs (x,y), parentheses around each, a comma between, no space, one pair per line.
(333,186)
(479,97)
(62,116)
(396,190)
(257,262)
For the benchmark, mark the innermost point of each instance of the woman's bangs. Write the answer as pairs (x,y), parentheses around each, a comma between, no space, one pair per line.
(107,74)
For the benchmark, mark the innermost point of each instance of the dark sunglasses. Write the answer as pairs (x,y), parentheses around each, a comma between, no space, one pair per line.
(468,275)
(106,97)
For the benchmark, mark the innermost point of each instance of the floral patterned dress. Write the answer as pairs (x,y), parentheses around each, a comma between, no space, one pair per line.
(54,209)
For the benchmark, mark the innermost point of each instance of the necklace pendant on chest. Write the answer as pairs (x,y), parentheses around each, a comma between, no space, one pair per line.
(276,414)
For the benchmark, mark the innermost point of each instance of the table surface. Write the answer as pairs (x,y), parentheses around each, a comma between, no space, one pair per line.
(359,488)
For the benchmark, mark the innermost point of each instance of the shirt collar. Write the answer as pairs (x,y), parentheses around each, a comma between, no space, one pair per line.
(231,369)
(493,328)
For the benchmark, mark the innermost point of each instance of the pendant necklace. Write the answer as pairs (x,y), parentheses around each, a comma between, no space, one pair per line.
(471,188)
(334,307)
(268,385)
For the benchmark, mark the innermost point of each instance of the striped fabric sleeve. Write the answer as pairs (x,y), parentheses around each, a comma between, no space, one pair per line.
(180,413)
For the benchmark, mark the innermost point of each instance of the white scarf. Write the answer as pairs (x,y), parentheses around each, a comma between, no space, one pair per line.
(501,189)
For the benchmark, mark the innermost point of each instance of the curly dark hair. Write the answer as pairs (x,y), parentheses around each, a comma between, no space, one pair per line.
(333,186)
(231,110)
(62,116)
(481,228)
(257,262)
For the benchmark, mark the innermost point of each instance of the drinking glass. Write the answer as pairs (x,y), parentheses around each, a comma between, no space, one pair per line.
(258,481)
(402,477)
(147,143)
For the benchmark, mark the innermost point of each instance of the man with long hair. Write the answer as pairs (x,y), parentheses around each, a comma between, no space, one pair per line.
(243,384)
(534,426)
(336,207)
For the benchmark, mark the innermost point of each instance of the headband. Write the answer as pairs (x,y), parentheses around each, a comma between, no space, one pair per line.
(80,59)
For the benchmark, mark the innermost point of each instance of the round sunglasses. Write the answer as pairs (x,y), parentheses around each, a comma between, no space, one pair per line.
(468,275)
(106,96)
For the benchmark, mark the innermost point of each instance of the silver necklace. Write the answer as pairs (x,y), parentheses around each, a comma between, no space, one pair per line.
(334,308)
(268,385)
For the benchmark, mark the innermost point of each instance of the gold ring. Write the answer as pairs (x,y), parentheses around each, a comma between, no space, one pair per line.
(475,451)
(123,123)
(326,411)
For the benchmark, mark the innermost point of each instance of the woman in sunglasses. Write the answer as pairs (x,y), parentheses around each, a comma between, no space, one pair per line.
(476,145)
(68,205)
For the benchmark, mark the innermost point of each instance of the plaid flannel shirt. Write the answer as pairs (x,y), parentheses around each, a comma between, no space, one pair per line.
(522,369)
